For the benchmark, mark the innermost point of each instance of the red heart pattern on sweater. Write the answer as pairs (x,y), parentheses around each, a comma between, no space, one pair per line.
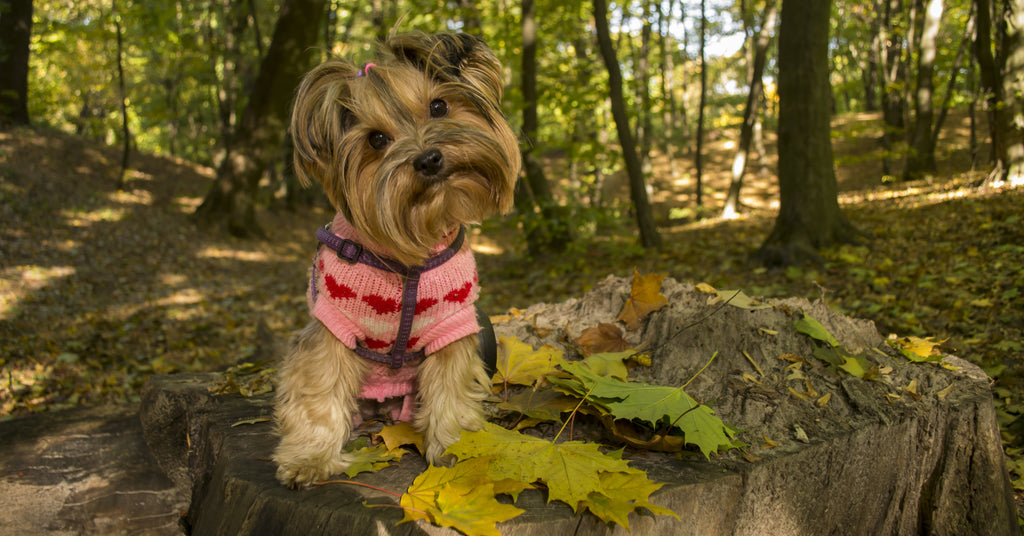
(337,290)
(460,294)
(377,344)
(382,305)
(424,304)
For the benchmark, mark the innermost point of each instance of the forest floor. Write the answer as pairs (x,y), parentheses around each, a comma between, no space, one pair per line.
(100,288)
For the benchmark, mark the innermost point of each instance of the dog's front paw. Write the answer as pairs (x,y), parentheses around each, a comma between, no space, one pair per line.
(303,473)
(435,455)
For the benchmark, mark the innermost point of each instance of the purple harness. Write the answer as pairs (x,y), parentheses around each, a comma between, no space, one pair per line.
(352,252)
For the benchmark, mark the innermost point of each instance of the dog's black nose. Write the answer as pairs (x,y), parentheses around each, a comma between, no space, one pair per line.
(429,162)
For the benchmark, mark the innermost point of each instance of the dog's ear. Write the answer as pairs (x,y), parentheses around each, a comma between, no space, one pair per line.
(320,118)
(457,58)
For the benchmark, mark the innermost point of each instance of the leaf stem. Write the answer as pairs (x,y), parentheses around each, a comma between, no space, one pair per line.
(713,356)
(573,414)
(354,483)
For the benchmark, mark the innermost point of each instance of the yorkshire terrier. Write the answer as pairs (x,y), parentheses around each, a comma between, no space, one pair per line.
(409,148)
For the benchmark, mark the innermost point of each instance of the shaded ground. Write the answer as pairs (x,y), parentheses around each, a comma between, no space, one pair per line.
(100,288)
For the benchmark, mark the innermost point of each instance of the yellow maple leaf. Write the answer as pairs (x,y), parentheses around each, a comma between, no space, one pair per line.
(918,347)
(401,434)
(520,364)
(461,497)
(644,298)
(622,493)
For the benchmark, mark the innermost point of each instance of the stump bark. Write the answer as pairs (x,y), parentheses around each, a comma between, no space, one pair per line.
(915,452)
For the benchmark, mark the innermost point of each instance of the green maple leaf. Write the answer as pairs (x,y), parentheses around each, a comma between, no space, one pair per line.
(610,363)
(461,497)
(653,404)
(543,405)
(367,458)
(571,470)
(808,325)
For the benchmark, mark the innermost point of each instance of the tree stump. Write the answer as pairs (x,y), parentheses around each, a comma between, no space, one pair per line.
(83,472)
(916,451)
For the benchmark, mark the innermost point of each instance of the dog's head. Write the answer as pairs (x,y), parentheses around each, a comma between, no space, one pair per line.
(411,145)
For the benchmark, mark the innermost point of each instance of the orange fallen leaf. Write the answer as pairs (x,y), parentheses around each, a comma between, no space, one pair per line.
(644,298)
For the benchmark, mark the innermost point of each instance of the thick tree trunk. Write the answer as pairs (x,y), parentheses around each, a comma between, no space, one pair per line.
(15,33)
(921,155)
(231,200)
(989,71)
(1012,158)
(649,236)
(739,163)
(809,214)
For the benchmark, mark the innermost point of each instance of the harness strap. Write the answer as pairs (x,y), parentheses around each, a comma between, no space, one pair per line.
(352,252)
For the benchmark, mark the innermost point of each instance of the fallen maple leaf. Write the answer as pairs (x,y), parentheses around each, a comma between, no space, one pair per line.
(917,349)
(520,364)
(401,434)
(622,493)
(738,298)
(656,405)
(543,405)
(369,458)
(571,469)
(602,338)
(609,364)
(461,497)
(808,325)
(644,298)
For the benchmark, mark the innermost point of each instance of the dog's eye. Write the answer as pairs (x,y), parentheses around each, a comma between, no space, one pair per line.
(438,108)
(378,140)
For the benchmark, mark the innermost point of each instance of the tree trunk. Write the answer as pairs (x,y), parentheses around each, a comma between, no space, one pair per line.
(15,34)
(763,39)
(960,53)
(126,134)
(699,157)
(649,236)
(809,214)
(1011,170)
(231,200)
(921,155)
(643,124)
(549,234)
(668,105)
(893,77)
(989,72)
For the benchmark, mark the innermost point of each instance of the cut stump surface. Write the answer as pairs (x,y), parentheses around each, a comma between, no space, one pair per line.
(915,451)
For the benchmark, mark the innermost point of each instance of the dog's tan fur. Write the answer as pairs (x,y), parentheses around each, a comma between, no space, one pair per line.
(338,108)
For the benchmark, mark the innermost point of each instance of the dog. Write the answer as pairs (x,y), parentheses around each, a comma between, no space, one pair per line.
(409,148)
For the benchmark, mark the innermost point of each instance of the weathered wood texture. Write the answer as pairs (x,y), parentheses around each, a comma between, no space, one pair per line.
(83,472)
(871,463)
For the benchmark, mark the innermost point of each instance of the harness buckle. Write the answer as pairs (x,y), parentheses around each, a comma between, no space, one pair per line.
(350,251)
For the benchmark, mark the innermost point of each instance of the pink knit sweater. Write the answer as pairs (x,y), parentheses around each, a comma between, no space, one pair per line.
(362,305)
